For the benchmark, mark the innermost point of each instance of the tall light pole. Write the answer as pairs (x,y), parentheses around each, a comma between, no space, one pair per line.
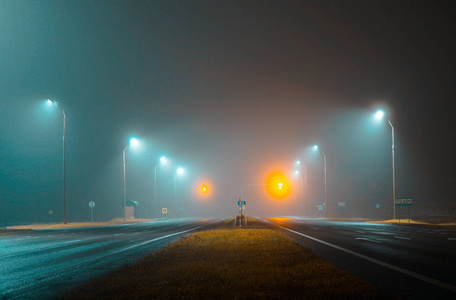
(162,160)
(179,171)
(63,142)
(379,115)
(303,198)
(324,161)
(133,142)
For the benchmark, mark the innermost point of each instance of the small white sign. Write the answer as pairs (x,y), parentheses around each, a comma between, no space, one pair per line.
(51,212)
(91,204)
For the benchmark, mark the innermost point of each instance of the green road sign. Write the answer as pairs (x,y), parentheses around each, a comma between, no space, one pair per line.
(404,201)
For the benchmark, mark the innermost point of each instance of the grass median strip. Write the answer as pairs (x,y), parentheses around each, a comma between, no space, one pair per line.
(229,264)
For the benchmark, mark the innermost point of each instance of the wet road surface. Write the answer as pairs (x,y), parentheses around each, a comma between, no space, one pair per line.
(44,264)
(412,262)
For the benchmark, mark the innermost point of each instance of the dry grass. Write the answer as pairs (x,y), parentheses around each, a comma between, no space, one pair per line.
(429,222)
(401,221)
(229,264)
(117,221)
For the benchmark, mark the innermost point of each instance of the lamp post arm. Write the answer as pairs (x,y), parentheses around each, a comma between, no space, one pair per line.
(124,185)
(155,190)
(394,171)
(305,189)
(64,177)
(175,192)
(64,173)
(326,199)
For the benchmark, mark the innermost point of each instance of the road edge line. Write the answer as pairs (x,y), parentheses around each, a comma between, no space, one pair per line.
(376,261)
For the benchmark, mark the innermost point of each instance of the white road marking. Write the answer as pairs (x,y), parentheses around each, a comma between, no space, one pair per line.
(402,238)
(152,240)
(452,239)
(119,234)
(369,240)
(376,261)
(381,233)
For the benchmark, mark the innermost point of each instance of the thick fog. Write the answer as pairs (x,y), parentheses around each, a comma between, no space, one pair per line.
(230,92)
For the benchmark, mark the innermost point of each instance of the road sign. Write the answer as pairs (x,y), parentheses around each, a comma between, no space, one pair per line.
(164,210)
(91,204)
(320,207)
(241,203)
(404,201)
(51,212)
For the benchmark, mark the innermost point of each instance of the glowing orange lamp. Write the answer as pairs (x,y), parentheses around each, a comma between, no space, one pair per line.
(278,185)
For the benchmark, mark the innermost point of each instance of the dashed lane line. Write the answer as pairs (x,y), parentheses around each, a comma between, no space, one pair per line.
(402,238)
(369,240)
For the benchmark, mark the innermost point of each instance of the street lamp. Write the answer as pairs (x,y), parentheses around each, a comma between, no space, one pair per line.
(132,142)
(50,102)
(324,161)
(379,115)
(305,184)
(162,160)
(179,171)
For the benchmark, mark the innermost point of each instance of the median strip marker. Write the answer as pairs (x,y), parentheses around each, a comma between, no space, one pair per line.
(369,240)
(402,238)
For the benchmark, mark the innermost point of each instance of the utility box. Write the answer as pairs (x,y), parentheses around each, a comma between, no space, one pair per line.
(131,210)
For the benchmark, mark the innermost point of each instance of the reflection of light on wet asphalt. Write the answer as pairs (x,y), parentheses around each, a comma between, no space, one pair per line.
(36,263)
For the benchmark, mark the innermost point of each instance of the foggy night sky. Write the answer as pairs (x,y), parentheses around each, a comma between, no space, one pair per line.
(230,91)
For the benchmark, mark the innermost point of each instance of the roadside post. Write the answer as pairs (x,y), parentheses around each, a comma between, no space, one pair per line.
(50,216)
(91,205)
(378,205)
(240,218)
(404,201)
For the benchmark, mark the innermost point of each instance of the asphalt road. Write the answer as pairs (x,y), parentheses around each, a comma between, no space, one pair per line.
(408,262)
(44,264)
